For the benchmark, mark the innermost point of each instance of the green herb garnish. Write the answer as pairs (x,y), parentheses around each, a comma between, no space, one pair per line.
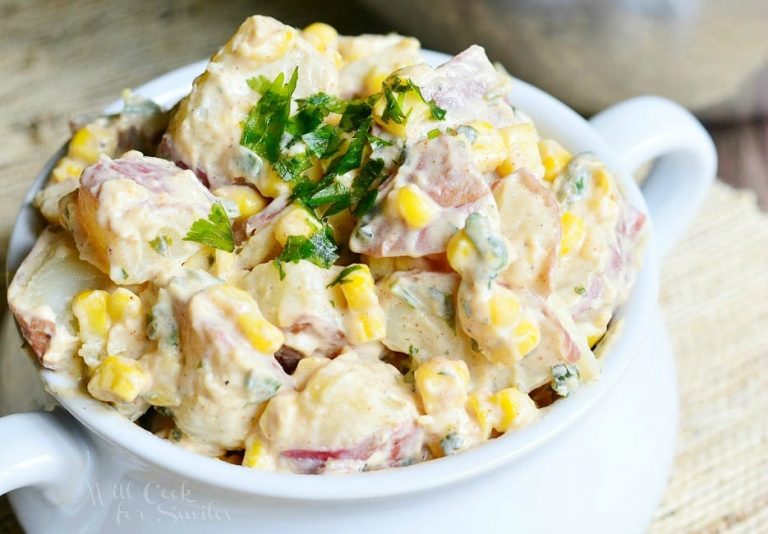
(260,83)
(580,290)
(320,248)
(312,111)
(433,133)
(342,277)
(215,231)
(565,379)
(264,127)
(323,141)
(280,271)
(161,244)
(289,168)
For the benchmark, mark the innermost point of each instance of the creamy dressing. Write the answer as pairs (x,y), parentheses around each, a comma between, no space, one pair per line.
(480,264)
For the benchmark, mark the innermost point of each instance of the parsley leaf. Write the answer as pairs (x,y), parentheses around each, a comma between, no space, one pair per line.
(378,142)
(215,231)
(433,133)
(259,84)
(312,110)
(352,158)
(320,248)
(393,109)
(335,192)
(264,127)
(356,112)
(435,112)
(291,167)
(342,277)
(323,141)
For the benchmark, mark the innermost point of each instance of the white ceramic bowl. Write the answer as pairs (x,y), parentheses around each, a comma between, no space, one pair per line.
(98,472)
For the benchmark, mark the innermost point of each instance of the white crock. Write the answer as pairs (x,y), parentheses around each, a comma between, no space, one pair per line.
(596,462)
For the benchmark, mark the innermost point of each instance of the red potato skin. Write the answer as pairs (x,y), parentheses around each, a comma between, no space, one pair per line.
(38,333)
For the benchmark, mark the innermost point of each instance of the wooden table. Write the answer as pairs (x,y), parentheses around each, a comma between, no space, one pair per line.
(60,59)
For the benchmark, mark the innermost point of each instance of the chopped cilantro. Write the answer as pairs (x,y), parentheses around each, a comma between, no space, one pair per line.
(289,168)
(394,94)
(361,196)
(356,112)
(264,127)
(433,133)
(215,231)
(378,142)
(259,84)
(333,193)
(312,110)
(161,244)
(435,112)
(393,109)
(352,158)
(342,277)
(320,248)
(323,141)
(580,290)
(279,266)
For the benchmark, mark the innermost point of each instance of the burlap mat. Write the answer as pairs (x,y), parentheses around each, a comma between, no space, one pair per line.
(715,299)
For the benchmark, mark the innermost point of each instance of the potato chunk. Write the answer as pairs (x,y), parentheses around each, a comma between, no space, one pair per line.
(131,215)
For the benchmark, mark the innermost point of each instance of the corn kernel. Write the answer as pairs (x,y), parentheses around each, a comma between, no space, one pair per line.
(254,449)
(249,202)
(442,383)
(271,185)
(373,80)
(489,149)
(593,339)
(295,221)
(528,336)
(521,141)
(479,409)
(67,169)
(117,379)
(88,143)
(554,158)
(123,304)
(415,207)
(275,47)
(504,308)
(573,232)
(358,288)
(320,35)
(370,325)
(90,309)
(263,335)
(515,407)
(460,251)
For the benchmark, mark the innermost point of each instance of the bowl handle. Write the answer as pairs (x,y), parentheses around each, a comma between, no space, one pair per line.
(44,450)
(648,127)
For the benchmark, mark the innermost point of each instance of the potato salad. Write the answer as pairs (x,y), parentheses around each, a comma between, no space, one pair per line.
(328,257)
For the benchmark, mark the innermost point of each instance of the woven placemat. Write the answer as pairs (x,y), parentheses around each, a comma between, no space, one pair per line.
(715,299)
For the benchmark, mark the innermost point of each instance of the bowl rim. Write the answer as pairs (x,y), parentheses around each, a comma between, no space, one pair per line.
(553,118)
